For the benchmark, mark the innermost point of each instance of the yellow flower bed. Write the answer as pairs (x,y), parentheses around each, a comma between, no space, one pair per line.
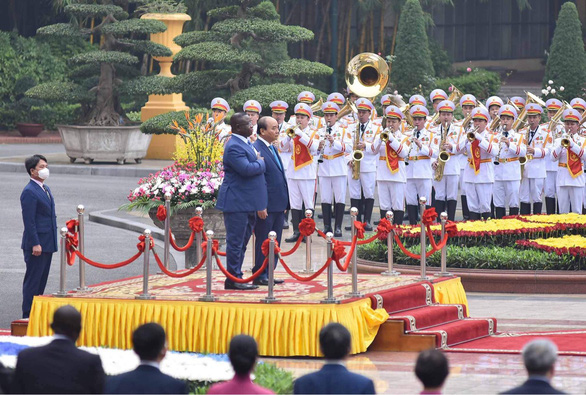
(571,218)
(568,241)
(489,227)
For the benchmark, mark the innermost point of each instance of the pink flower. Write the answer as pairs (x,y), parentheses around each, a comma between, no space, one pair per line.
(451,88)
(468,69)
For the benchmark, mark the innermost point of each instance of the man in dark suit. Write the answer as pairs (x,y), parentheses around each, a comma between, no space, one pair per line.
(59,367)
(149,343)
(539,357)
(272,217)
(242,194)
(334,378)
(432,369)
(39,239)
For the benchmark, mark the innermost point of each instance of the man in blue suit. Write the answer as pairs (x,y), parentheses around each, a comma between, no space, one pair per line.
(242,194)
(39,239)
(149,343)
(334,378)
(272,217)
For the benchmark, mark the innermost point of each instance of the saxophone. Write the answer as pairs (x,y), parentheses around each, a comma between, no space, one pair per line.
(443,156)
(357,156)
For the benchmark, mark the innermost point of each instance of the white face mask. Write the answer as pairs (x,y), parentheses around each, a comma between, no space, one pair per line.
(44,173)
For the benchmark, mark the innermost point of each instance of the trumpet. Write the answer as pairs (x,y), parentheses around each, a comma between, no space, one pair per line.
(291,132)
(566,142)
(471,135)
(384,136)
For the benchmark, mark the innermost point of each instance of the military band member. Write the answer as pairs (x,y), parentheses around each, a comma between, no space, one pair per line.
(339,99)
(278,111)
(467,103)
(555,131)
(332,171)
(385,101)
(479,172)
(220,108)
(301,173)
(534,171)
(519,103)
(367,132)
(436,96)
(446,190)
(422,148)
(390,174)
(507,173)
(570,179)
(578,104)
(252,108)
(494,104)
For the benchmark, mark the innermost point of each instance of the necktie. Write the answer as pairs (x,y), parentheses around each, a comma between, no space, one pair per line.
(418,134)
(531,135)
(506,134)
(362,129)
(47,192)
(274,151)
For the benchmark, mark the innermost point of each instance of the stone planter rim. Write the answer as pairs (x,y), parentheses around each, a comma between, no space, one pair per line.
(176,16)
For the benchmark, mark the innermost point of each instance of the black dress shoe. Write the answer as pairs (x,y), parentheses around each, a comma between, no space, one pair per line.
(279,281)
(260,281)
(241,287)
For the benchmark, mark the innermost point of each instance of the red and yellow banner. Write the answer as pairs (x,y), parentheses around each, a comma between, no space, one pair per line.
(392,159)
(301,155)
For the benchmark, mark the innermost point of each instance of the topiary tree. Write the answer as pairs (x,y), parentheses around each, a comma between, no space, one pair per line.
(412,66)
(95,79)
(245,53)
(566,64)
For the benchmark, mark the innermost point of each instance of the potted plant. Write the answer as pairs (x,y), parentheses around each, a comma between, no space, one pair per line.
(28,113)
(193,180)
(99,78)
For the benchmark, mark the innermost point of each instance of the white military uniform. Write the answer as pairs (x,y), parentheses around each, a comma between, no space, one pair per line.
(222,131)
(534,174)
(391,186)
(570,189)
(302,181)
(447,188)
(551,166)
(419,172)
(479,186)
(367,181)
(333,170)
(507,174)
(284,146)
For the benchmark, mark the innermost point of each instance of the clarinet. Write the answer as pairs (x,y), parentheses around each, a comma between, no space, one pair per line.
(321,152)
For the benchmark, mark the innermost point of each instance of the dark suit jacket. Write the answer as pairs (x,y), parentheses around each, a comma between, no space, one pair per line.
(275,179)
(333,379)
(534,386)
(38,216)
(244,188)
(58,367)
(145,379)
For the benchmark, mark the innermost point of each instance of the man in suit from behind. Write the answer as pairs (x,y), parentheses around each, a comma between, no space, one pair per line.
(539,357)
(39,239)
(242,194)
(59,367)
(432,369)
(272,217)
(334,378)
(149,343)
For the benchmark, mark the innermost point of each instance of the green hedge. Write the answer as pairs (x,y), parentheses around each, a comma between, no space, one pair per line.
(481,257)
(480,83)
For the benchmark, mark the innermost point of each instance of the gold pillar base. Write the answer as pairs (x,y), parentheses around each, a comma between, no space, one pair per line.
(162,145)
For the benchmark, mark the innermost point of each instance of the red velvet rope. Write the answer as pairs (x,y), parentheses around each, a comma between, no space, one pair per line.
(409,253)
(184,274)
(72,225)
(71,246)
(241,280)
(349,256)
(161,213)
(186,246)
(307,227)
(295,247)
(300,278)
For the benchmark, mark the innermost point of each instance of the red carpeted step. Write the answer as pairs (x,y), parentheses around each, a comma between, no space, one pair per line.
(429,316)
(404,298)
(460,331)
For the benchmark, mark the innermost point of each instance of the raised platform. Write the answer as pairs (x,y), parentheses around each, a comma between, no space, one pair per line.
(289,327)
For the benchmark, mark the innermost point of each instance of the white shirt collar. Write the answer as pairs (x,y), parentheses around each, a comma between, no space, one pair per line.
(264,141)
(150,363)
(57,336)
(244,139)
(38,183)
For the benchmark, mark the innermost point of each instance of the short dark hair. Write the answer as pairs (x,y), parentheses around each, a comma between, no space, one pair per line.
(67,322)
(243,352)
(432,368)
(148,341)
(32,161)
(335,341)
(263,124)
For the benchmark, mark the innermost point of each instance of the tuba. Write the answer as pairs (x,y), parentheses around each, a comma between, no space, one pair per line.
(367,75)
(315,107)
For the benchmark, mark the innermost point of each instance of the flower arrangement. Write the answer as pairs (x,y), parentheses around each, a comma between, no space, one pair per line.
(195,177)
(574,245)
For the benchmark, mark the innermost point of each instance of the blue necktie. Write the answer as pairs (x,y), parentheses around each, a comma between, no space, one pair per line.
(274,151)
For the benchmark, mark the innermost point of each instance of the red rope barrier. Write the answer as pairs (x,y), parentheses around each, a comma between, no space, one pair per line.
(175,274)
(300,278)
(186,246)
(141,247)
(241,280)
(349,257)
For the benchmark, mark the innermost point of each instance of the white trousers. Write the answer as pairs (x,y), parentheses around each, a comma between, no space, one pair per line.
(506,193)
(550,184)
(531,190)
(418,186)
(447,188)
(570,195)
(366,182)
(479,197)
(391,195)
(329,186)
(301,191)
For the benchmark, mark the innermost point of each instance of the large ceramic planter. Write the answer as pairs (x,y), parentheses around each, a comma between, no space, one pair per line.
(29,129)
(213,220)
(110,143)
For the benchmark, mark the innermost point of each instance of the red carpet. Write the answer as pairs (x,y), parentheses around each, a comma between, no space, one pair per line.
(568,342)
(415,305)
